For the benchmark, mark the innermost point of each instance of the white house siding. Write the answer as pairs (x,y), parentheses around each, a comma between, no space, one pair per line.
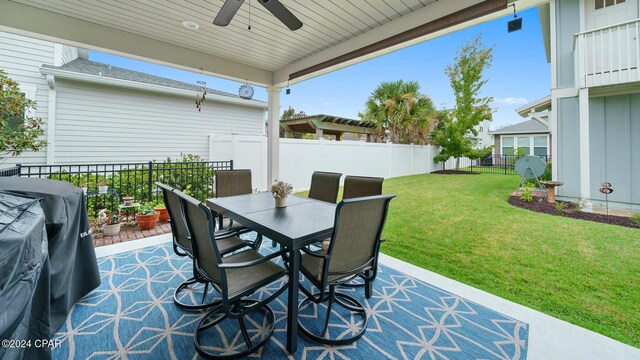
(21,57)
(98,123)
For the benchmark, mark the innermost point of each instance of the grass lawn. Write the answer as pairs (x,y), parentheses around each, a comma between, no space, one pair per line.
(462,227)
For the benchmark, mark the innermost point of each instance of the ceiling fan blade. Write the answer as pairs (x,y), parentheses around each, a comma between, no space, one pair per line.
(227,12)
(282,13)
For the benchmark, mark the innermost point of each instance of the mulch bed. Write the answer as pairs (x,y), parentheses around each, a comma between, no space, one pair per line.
(572,211)
(454,172)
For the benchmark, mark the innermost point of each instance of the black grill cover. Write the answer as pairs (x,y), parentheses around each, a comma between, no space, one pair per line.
(23,263)
(73,267)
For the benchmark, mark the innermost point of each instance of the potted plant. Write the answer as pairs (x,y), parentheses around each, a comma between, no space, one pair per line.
(280,191)
(147,217)
(103,187)
(112,225)
(128,200)
(163,215)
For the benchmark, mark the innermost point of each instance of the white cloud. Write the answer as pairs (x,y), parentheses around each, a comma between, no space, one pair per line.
(510,101)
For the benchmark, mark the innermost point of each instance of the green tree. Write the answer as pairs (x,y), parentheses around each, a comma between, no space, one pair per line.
(289,114)
(18,133)
(466,78)
(401,112)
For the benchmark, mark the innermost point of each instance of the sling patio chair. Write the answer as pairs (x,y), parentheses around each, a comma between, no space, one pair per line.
(232,183)
(236,277)
(354,248)
(325,186)
(360,186)
(227,242)
(355,187)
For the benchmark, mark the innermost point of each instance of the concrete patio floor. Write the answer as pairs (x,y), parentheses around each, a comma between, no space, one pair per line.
(549,337)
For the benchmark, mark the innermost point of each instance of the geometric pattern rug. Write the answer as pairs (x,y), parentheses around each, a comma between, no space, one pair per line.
(132,316)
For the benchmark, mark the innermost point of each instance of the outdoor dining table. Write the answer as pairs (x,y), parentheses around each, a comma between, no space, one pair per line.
(302,222)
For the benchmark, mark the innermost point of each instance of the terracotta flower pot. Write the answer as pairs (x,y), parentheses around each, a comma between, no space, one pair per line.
(111,230)
(163,214)
(147,222)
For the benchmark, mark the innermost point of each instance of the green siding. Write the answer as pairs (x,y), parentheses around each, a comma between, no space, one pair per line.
(569,147)
(614,121)
(569,12)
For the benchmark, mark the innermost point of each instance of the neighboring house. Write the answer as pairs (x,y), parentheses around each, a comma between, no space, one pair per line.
(483,139)
(533,137)
(594,51)
(530,137)
(94,112)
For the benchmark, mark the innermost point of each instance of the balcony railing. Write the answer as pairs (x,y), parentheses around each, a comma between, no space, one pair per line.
(608,55)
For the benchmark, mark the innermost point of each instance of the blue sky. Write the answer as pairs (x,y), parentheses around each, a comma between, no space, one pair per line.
(519,74)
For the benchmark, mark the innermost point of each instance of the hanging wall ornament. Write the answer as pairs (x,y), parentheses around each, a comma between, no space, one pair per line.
(201,94)
(246,91)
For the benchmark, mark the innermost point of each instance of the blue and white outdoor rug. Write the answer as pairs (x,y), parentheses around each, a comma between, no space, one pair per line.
(132,316)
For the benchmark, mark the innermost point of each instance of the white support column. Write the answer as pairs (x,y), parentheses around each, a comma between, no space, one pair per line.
(273,135)
(51,120)
(585,163)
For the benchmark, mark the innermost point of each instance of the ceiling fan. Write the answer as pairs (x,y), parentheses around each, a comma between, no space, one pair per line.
(230,8)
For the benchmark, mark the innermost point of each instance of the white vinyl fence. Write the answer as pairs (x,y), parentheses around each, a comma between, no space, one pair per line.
(300,158)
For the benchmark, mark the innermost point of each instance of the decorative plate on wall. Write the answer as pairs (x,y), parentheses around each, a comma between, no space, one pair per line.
(246,91)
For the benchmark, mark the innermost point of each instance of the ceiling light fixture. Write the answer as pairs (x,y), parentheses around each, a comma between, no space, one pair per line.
(191,25)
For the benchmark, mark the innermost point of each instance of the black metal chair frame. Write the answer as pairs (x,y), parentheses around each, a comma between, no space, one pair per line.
(332,295)
(236,307)
(180,250)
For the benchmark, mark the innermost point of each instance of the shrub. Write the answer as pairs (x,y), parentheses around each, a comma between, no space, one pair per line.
(635,217)
(190,174)
(547,173)
(561,207)
(526,195)
(20,132)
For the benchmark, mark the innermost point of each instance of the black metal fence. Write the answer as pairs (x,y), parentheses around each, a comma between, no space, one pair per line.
(491,164)
(137,180)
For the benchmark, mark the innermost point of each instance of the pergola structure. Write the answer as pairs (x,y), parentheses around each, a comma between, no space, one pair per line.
(327,125)
(335,34)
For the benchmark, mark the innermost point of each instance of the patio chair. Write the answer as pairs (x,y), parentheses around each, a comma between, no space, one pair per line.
(355,187)
(232,183)
(325,186)
(353,249)
(236,277)
(360,186)
(227,242)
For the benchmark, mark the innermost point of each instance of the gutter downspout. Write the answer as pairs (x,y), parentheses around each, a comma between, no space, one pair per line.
(51,120)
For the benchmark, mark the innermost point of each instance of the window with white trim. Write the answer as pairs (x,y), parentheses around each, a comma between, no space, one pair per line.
(540,146)
(507,145)
(600,4)
(528,145)
(524,143)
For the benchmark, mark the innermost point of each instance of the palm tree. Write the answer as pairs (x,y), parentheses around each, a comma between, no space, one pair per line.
(402,113)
